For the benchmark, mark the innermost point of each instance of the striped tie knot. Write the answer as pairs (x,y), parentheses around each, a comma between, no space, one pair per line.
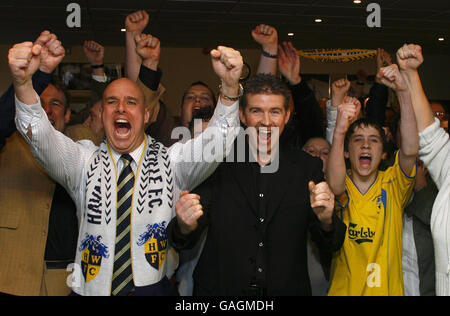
(127,159)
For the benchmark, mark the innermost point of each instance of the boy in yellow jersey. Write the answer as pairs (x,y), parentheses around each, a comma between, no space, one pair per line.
(371,201)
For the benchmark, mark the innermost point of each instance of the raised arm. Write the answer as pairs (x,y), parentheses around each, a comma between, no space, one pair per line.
(339,90)
(409,58)
(379,93)
(95,54)
(201,155)
(135,23)
(289,63)
(24,61)
(308,117)
(336,170)
(409,144)
(267,37)
(58,154)
(434,141)
(227,64)
(40,80)
(148,48)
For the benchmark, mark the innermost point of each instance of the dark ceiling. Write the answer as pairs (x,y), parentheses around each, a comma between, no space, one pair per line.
(207,23)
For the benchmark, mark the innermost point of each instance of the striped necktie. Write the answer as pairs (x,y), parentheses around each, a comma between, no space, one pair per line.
(122,281)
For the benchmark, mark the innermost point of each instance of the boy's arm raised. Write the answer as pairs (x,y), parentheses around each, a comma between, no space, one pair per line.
(336,169)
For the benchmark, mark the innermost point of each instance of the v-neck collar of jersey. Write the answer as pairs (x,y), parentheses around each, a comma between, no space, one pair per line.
(370,187)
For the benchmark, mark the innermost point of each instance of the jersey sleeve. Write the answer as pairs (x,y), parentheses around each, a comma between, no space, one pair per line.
(402,183)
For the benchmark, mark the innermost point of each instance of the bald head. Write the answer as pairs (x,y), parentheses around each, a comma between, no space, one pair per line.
(124,115)
(125,84)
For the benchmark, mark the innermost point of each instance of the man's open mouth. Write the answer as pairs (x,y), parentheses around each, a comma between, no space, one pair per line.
(264,134)
(122,127)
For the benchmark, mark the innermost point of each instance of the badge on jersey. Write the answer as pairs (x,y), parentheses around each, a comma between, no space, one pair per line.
(155,242)
(92,253)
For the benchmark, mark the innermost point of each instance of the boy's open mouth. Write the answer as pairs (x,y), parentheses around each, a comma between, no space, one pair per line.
(365,160)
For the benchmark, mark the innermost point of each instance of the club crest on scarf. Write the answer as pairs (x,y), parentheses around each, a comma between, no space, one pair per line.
(155,242)
(92,253)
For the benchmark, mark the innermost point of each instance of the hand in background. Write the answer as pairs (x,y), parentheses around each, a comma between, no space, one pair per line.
(289,63)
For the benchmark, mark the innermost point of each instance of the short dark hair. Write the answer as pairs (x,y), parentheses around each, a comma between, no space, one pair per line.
(62,88)
(364,122)
(200,83)
(265,84)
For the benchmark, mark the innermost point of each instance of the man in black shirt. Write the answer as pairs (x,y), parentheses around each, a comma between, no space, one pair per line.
(258,211)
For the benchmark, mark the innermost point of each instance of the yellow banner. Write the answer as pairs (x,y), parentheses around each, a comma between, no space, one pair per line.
(337,55)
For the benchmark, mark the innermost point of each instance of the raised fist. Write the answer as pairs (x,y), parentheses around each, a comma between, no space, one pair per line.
(339,90)
(391,77)
(409,57)
(227,64)
(94,52)
(289,62)
(322,201)
(267,37)
(52,52)
(348,112)
(24,60)
(188,210)
(383,58)
(136,21)
(149,49)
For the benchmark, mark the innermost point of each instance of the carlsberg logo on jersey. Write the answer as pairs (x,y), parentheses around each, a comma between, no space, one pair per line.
(360,234)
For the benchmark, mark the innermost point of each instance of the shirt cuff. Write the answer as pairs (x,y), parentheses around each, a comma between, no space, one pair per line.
(330,108)
(150,77)
(25,114)
(332,112)
(101,79)
(228,112)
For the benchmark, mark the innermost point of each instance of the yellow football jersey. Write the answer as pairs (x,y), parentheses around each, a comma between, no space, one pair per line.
(370,260)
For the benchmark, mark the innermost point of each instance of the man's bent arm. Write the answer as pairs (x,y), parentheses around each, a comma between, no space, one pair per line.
(59,155)
(197,159)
